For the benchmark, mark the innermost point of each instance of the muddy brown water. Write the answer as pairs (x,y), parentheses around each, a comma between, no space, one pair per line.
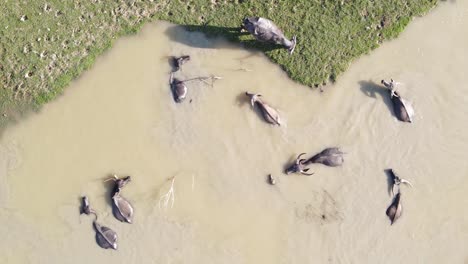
(120,118)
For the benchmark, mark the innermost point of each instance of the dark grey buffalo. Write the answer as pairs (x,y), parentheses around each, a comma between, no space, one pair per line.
(266,31)
(176,62)
(178,88)
(332,157)
(270,114)
(402,108)
(121,207)
(395,209)
(105,237)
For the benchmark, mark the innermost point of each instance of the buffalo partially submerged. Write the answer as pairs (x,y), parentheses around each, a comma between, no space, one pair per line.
(395,209)
(178,88)
(402,108)
(270,114)
(266,31)
(396,181)
(121,207)
(105,237)
(176,62)
(332,157)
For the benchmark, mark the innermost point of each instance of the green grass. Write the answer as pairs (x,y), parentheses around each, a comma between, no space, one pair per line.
(60,39)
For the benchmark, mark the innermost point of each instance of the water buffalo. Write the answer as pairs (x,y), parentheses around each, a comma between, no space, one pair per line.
(178,88)
(176,62)
(105,237)
(395,209)
(402,108)
(121,207)
(270,114)
(332,157)
(266,31)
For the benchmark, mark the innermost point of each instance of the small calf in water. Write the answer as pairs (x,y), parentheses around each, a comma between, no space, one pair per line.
(270,114)
(402,108)
(332,157)
(266,31)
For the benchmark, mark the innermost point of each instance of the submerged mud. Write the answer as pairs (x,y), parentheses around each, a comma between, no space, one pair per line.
(120,118)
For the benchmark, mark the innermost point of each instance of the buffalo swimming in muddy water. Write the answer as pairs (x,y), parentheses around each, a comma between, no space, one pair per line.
(266,31)
(270,114)
(178,88)
(395,209)
(121,207)
(332,157)
(177,62)
(105,237)
(402,108)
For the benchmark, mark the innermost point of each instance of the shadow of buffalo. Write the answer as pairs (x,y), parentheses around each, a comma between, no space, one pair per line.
(233,34)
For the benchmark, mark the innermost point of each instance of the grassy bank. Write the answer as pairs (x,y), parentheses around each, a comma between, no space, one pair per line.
(46,44)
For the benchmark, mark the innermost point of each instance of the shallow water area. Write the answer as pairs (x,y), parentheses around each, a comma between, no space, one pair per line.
(120,117)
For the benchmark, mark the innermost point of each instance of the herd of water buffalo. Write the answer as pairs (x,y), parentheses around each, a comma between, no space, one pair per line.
(266,31)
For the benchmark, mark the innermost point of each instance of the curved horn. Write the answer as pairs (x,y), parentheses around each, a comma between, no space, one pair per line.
(94,213)
(112,178)
(306,173)
(300,155)
(406,182)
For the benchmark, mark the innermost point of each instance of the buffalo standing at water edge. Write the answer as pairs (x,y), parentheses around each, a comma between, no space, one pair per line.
(266,31)
(402,108)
